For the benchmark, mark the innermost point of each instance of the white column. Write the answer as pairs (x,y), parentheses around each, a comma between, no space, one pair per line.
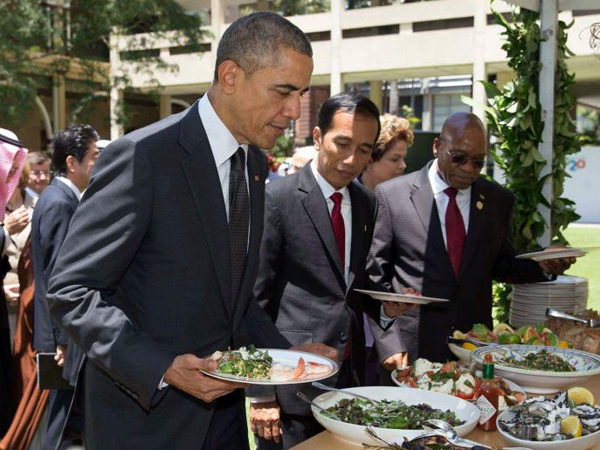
(479,70)
(376,95)
(337,7)
(165,106)
(393,97)
(217,22)
(548,50)
(116,94)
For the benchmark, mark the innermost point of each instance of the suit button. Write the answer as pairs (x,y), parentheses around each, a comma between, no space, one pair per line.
(343,337)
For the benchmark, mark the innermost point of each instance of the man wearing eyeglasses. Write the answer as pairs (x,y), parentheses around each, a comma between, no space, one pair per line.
(444,231)
(39,176)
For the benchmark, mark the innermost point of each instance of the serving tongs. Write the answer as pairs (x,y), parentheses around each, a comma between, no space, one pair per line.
(457,341)
(591,323)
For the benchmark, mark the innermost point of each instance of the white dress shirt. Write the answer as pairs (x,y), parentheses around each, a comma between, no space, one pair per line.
(328,190)
(70,185)
(222,144)
(463,199)
(31,192)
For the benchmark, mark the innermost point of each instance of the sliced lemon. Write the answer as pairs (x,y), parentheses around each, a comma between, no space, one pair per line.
(580,395)
(469,346)
(459,334)
(503,328)
(564,344)
(571,425)
(530,334)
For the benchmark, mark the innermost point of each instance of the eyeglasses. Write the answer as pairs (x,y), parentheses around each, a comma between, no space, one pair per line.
(462,159)
(39,173)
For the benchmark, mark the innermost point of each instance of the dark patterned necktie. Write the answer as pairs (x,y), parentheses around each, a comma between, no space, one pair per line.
(455,231)
(239,218)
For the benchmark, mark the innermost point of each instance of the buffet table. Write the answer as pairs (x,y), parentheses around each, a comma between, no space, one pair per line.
(326,441)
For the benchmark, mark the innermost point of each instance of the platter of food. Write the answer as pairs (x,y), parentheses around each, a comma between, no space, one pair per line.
(271,366)
(450,378)
(401,298)
(569,421)
(397,413)
(540,369)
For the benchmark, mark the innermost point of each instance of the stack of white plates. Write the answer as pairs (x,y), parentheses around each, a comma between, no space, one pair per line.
(529,303)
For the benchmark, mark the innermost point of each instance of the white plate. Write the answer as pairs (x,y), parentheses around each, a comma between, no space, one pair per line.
(553,254)
(356,434)
(401,298)
(289,358)
(581,443)
(538,381)
(462,354)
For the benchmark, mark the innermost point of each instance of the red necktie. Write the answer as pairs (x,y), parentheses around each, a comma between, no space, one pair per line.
(455,231)
(340,237)
(338,227)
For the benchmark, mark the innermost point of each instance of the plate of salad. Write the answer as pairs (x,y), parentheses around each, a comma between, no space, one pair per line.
(451,378)
(252,365)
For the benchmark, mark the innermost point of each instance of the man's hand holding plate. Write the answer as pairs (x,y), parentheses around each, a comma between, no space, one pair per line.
(184,374)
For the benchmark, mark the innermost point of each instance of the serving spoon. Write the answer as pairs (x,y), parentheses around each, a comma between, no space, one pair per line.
(352,394)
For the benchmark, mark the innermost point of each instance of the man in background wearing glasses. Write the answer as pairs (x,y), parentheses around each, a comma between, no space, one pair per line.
(39,176)
(444,231)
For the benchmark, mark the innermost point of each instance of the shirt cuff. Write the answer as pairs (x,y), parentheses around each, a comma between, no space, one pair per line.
(162,384)
(266,399)
(384,320)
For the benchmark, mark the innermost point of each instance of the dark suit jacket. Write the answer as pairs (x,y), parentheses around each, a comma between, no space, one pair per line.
(49,225)
(144,276)
(408,251)
(301,281)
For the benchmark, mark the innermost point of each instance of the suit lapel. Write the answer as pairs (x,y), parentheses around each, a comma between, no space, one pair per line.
(476,219)
(316,207)
(201,172)
(360,212)
(424,203)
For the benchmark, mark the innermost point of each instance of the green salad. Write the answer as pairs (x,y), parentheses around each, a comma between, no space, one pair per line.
(541,361)
(389,414)
(247,363)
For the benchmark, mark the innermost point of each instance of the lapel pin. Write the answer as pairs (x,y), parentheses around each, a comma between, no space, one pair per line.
(482,197)
(256,178)
(479,205)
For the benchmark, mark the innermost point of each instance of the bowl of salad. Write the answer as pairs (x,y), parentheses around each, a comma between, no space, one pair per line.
(541,369)
(451,378)
(396,413)
(480,335)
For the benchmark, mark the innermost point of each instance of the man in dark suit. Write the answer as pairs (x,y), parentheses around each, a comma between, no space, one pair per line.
(158,267)
(444,231)
(318,230)
(74,152)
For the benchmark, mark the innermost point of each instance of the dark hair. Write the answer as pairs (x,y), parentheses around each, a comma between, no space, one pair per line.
(37,158)
(350,103)
(74,141)
(254,41)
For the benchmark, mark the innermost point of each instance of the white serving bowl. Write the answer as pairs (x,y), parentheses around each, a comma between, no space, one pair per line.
(538,381)
(462,354)
(357,435)
(582,443)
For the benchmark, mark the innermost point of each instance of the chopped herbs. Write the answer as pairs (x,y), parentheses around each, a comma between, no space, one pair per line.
(540,361)
(390,414)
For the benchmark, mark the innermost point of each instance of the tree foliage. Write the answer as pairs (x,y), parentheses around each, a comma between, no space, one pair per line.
(40,40)
(515,121)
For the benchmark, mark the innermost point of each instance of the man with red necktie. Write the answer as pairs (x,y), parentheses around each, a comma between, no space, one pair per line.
(318,229)
(444,231)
